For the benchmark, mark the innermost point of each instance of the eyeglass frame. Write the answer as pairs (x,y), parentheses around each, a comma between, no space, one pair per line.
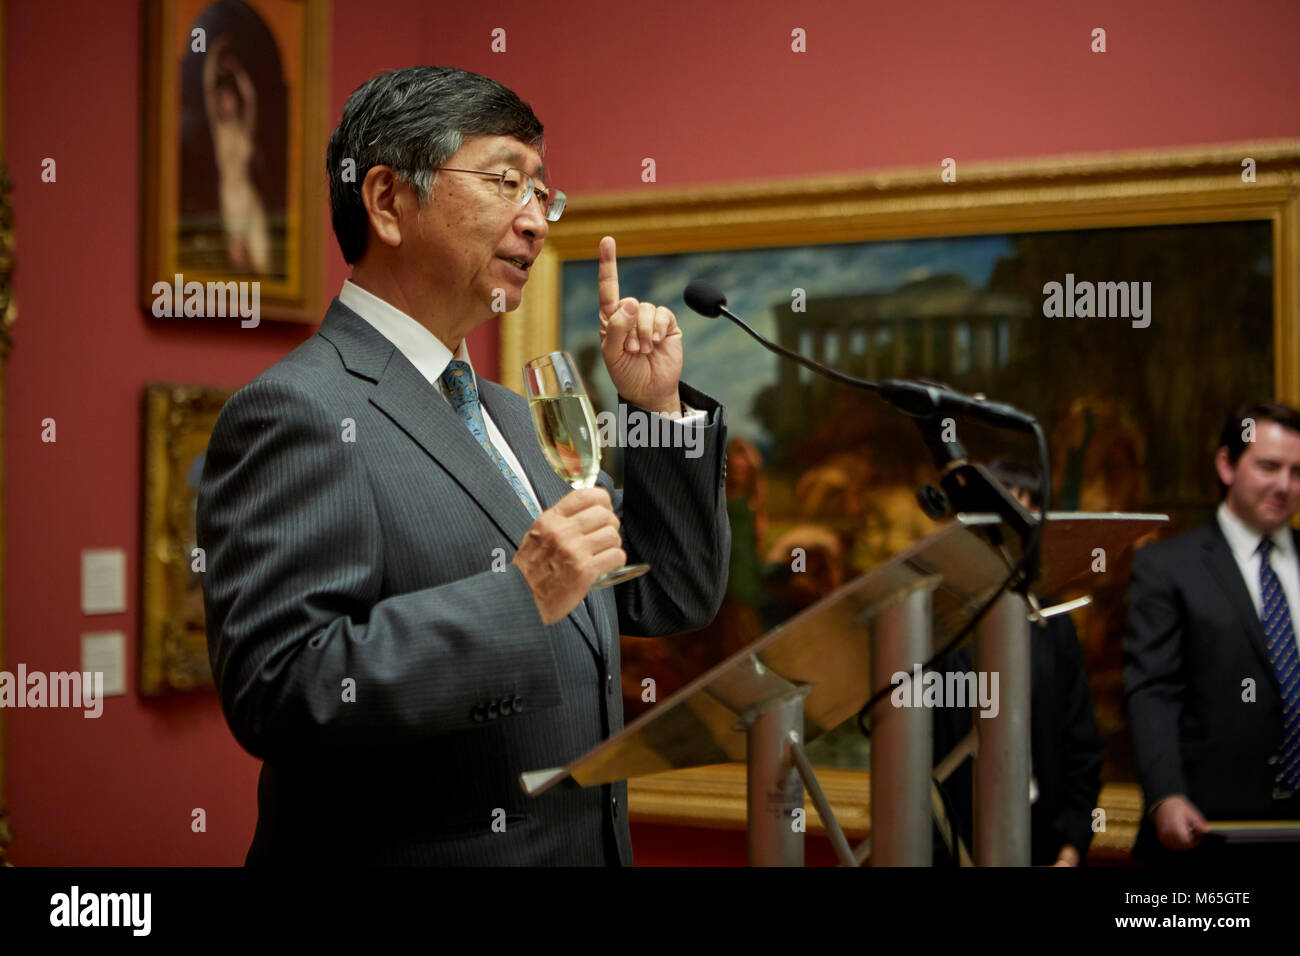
(549,195)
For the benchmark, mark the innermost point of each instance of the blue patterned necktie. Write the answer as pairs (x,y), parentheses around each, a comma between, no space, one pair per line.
(459,382)
(1276,618)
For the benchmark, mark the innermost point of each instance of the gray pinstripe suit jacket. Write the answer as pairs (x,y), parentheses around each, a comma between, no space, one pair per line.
(367,564)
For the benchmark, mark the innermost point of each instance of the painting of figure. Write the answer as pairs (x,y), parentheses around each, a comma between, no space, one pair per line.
(234,134)
(821,478)
(234,127)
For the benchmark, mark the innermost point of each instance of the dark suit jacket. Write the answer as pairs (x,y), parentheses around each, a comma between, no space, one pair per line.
(1192,638)
(394,682)
(1064,745)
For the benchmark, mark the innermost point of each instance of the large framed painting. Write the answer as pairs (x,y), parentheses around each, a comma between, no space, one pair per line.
(1189,262)
(178,423)
(235,131)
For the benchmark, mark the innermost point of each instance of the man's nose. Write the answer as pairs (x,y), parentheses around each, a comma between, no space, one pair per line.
(531,221)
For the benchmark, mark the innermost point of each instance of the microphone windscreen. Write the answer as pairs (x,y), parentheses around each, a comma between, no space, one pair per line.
(704,298)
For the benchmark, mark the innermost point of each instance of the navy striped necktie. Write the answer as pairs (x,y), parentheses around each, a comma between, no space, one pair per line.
(1275,615)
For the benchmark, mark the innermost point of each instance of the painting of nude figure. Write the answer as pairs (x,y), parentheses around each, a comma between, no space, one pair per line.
(233,136)
(232,180)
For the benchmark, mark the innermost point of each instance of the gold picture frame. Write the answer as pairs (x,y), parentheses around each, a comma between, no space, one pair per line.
(8,313)
(232,185)
(178,423)
(1184,186)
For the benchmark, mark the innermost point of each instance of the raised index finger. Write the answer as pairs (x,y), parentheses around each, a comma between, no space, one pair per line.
(607,277)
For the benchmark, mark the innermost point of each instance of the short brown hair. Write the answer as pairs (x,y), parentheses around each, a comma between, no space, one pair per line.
(1231,438)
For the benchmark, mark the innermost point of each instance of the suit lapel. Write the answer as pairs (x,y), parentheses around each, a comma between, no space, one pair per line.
(415,406)
(408,399)
(1227,575)
(517,428)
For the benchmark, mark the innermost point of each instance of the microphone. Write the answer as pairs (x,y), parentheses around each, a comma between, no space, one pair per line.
(704,298)
(920,399)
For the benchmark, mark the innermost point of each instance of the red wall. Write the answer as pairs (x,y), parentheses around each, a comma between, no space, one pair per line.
(711,91)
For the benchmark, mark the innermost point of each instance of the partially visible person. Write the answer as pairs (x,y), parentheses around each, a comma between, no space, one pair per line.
(1065,748)
(1211,665)
(399,594)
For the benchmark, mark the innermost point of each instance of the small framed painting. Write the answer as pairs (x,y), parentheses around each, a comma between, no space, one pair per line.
(235,131)
(178,423)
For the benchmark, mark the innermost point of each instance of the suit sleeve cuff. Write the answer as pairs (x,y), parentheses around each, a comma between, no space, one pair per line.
(697,407)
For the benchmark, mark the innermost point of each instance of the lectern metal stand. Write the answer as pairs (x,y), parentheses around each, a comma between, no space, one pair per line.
(900,784)
(810,674)
(1001,796)
(773,787)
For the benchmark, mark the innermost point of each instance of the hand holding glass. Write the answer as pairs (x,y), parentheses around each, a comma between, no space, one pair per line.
(566,428)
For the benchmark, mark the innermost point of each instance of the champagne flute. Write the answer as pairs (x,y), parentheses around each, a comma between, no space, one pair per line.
(566,429)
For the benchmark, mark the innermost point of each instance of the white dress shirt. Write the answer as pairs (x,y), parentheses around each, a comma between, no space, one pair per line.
(1244,540)
(429,355)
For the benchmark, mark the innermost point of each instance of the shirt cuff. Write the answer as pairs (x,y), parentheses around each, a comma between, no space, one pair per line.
(691,416)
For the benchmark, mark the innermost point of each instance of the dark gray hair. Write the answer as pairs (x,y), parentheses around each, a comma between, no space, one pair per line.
(412,120)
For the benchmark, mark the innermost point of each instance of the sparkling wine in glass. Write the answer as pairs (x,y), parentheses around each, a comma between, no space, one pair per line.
(566,429)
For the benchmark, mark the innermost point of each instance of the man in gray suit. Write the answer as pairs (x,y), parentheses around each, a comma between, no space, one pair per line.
(398,588)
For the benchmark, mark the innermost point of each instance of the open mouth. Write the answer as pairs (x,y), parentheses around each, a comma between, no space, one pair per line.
(517,263)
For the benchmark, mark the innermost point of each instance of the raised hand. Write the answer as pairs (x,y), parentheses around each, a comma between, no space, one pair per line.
(640,341)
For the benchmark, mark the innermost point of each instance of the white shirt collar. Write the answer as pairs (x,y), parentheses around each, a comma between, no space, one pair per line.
(1243,540)
(421,347)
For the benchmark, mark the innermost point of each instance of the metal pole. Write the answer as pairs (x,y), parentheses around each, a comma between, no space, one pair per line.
(901,737)
(834,832)
(1002,761)
(774,791)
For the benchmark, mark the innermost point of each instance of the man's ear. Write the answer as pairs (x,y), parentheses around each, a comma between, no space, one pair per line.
(1223,466)
(388,201)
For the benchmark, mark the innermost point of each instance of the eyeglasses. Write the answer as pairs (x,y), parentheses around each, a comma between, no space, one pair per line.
(518,187)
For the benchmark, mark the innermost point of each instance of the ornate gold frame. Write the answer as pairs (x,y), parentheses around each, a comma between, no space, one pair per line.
(1191,185)
(173,648)
(298,297)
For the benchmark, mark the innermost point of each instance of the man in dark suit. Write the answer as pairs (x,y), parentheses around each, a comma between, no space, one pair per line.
(398,587)
(1210,656)
(1065,750)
